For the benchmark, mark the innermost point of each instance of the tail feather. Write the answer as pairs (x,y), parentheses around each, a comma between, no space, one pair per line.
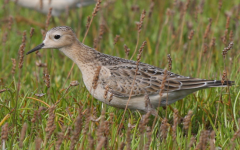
(218,83)
(200,84)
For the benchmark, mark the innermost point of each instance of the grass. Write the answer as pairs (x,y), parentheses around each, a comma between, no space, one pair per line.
(77,122)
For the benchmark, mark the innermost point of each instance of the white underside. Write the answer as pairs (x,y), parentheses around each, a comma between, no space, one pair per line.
(138,103)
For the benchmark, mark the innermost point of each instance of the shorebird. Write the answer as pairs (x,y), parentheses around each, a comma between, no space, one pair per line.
(118,75)
(58,5)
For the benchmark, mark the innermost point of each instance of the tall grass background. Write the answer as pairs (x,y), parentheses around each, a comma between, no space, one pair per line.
(39,111)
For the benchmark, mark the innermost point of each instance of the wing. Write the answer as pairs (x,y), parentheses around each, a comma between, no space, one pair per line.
(148,80)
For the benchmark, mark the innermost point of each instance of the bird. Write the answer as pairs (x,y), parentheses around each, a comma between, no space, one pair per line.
(120,82)
(58,6)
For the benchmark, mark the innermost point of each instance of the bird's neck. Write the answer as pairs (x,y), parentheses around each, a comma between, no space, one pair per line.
(81,54)
(84,57)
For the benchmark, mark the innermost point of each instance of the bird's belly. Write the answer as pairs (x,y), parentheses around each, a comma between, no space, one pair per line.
(139,103)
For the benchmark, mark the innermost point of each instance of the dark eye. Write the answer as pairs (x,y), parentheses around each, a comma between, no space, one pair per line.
(57,36)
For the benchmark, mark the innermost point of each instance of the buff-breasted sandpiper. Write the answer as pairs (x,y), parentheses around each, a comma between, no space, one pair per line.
(118,75)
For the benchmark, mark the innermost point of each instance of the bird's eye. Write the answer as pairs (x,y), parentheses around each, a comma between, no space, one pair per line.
(57,36)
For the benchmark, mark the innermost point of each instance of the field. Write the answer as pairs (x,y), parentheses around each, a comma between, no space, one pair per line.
(41,108)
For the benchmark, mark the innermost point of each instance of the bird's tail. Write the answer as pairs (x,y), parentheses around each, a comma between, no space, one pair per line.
(218,83)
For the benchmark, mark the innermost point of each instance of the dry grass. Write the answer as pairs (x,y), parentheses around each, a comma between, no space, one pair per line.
(37,113)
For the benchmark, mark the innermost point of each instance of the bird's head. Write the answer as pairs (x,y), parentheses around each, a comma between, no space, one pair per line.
(57,38)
